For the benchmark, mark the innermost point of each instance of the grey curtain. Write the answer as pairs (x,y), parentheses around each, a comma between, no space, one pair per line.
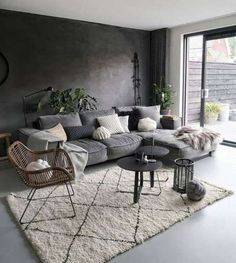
(158,55)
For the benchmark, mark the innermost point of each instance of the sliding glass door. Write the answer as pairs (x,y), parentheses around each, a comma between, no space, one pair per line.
(210,81)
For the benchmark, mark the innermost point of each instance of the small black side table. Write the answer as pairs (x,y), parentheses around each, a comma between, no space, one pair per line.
(130,164)
(154,152)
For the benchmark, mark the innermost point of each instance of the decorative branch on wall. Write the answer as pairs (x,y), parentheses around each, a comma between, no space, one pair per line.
(4,68)
(136,80)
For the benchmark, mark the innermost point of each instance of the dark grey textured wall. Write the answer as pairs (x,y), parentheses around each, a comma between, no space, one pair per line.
(45,51)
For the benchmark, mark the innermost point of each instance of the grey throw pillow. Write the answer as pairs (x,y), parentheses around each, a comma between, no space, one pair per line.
(152,112)
(66,120)
(90,117)
(124,121)
(79,132)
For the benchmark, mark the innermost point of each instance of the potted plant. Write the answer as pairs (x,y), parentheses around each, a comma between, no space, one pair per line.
(212,110)
(163,96)
(224,112)
(71,100)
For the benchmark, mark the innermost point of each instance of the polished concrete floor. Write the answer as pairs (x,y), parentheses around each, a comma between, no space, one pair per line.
(227,129)
(208,236)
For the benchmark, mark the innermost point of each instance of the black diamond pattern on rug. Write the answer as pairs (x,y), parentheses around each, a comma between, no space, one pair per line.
(107,223)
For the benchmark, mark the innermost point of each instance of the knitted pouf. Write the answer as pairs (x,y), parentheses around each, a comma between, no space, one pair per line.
(195,190)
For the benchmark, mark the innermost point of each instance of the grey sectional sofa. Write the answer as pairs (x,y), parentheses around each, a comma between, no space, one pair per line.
(119,145)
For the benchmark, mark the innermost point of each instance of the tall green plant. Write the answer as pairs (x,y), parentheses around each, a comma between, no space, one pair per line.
(162,95)
(71,100)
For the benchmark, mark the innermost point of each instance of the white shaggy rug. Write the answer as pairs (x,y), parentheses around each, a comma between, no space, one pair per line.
(107,222)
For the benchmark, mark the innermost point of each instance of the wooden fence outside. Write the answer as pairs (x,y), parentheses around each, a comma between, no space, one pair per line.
(220,80)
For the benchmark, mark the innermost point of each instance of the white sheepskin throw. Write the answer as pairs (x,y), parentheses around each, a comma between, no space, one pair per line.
(146,124)
(200,139)
(101,133)
(38,165)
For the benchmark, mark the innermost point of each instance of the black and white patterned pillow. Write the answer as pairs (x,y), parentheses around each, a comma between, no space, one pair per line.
(79,132)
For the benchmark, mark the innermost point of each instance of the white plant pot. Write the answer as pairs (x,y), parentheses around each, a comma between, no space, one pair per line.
(233,115)
(211,117)
(224,112)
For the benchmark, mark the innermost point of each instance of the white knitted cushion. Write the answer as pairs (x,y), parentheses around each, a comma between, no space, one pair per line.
(59,132)
(146,124)
(112,123)
(101,133)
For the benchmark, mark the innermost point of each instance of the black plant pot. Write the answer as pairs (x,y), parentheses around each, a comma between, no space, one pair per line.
(166,112)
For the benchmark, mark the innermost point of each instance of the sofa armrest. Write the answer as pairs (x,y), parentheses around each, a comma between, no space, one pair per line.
(50,140)
(24,133)
(170,122)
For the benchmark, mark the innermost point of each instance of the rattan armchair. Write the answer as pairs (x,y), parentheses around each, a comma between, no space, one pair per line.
(61,170)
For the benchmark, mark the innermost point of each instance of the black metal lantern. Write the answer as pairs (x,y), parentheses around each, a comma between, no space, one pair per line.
(183,174)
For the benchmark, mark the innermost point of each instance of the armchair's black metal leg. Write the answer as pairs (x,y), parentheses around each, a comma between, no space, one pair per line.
(70,198)
(73,193)
(29,200)
(159,184)
(28,197)
(163,180)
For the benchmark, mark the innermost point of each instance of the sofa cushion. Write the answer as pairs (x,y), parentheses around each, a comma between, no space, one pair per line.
(120,145)
(23,134)
(79,132)
(58,131)
(97,152)
(163,137)
(123,108)
(147,124)
(112,123)
(134,117)
(101,133)
(177,148)
(90,117)
(66,120)
(124,120)
(152,112)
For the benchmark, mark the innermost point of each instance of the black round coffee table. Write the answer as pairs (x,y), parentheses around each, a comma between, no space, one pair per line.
(155,151)
(130,164)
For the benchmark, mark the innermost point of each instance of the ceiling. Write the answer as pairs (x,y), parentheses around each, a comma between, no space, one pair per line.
(140,14)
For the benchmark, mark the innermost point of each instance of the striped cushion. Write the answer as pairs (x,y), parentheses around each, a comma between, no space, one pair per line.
(112,123)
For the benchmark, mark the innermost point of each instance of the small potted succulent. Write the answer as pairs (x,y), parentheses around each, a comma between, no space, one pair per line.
(212,110)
